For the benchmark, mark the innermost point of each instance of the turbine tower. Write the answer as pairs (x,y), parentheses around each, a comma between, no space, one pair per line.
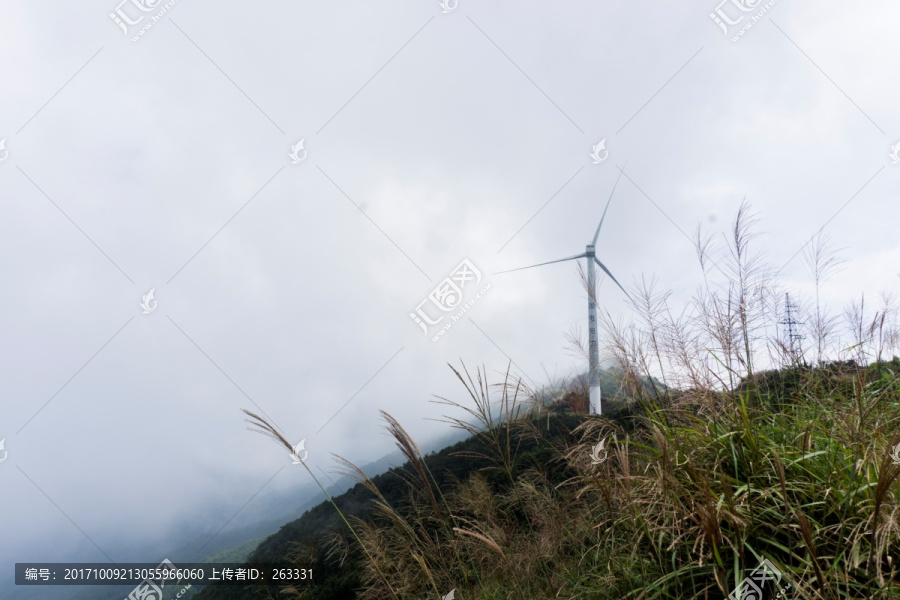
(592,262)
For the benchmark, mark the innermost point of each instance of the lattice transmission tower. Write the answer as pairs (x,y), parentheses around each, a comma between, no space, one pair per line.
(792,334)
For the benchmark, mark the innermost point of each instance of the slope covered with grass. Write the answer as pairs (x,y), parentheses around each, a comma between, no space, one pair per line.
(322,540)
(693,491)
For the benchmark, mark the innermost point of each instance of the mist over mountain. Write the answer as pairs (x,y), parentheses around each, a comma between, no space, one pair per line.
(308,210)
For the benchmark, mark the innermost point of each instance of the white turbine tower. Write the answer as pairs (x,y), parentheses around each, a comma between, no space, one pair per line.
(592,261)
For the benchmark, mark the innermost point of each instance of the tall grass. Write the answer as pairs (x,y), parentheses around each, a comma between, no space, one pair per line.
(730,448)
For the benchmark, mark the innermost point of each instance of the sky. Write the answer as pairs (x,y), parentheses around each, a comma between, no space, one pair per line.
(284,274)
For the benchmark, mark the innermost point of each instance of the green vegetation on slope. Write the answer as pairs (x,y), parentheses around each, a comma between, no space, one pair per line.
(320,530)
(793,466)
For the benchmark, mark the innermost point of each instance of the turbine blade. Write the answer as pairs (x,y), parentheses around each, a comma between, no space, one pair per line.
(605,270)
(582,255)
(597,234)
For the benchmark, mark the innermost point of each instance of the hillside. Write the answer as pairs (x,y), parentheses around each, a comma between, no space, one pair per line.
(307,536)
(692,492)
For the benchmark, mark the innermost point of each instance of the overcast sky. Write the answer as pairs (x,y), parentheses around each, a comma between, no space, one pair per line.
(429,137)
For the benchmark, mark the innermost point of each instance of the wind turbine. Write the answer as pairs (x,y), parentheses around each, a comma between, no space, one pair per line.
(592,262)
